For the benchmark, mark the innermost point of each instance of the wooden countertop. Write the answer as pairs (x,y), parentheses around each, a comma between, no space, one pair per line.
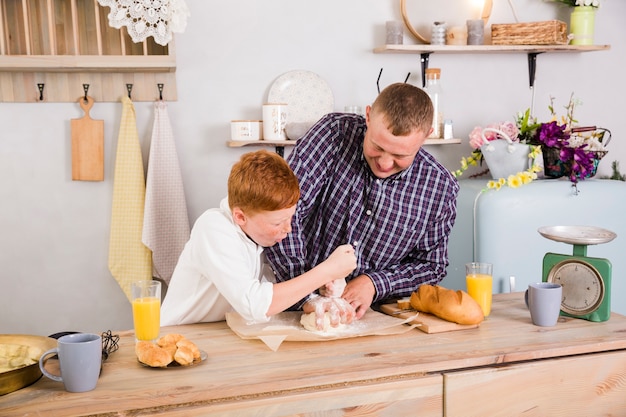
(238,369)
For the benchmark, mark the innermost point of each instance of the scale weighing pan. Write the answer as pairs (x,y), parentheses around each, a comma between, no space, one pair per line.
(577,235)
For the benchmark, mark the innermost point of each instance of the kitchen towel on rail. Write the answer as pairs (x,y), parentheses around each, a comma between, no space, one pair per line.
(165,221)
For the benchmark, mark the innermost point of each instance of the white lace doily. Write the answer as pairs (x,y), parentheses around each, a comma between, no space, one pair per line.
(143,18)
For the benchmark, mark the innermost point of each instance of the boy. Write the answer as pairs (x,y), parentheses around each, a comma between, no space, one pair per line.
(221,267)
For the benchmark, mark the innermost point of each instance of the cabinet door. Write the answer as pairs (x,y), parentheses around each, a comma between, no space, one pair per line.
(420,396)
(585,385)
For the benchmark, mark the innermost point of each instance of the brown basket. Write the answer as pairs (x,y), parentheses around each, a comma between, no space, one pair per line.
(551,32)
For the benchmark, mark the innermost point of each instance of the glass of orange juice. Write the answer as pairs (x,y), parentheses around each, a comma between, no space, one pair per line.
(146,302)
(479,281)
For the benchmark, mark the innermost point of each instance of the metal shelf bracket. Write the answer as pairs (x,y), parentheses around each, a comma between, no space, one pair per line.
(425,56)
(532,66)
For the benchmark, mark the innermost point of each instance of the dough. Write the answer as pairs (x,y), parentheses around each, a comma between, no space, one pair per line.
(13,356)
(308,321)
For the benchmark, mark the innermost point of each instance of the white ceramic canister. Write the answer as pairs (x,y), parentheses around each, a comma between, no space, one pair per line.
(246,130)
(274,121)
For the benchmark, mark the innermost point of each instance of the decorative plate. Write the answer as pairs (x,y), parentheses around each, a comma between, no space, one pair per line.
(176,365)
(307,95)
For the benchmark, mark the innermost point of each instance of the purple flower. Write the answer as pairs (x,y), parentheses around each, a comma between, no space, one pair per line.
(552,135)
(580,161)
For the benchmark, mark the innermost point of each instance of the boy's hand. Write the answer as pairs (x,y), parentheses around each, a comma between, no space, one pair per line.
(342,261)
(334,288)
(340,310)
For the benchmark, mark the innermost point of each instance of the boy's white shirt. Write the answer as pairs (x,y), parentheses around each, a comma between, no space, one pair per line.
(220,269)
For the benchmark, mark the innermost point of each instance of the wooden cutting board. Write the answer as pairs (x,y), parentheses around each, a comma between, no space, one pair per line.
(87,145)
(427,322)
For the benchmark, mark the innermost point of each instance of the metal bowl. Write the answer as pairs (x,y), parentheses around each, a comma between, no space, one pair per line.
(22,377)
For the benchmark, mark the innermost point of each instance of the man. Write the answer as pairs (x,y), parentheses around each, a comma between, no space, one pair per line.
(368,182)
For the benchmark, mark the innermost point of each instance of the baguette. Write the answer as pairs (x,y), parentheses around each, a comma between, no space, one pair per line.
(455,306)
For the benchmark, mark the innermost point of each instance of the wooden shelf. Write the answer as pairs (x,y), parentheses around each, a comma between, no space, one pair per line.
(530,50)
(279,145)
(88,63)
(486,49)
(240,143)
(452,141)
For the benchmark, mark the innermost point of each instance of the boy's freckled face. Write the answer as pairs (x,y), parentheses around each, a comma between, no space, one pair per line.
(267,228)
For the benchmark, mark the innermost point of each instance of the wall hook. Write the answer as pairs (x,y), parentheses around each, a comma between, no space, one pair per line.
(86,89)
(160,87)
(40,86)
(129,88)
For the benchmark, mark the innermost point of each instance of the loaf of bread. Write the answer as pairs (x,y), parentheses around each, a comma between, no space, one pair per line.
(404,303)
(169,348)
(452,305)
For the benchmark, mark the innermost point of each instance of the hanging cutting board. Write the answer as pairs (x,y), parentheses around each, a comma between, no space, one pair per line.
(427,322)
(87,145)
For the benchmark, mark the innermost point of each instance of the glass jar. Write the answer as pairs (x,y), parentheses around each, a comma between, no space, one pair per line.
(433,88)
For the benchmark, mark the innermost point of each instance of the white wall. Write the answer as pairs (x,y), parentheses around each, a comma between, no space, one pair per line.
(54,231)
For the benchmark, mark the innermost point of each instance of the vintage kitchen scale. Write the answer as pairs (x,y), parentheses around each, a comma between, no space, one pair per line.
(586,281)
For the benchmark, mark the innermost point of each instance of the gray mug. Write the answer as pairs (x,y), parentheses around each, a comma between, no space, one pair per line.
(544,302)
(80,358)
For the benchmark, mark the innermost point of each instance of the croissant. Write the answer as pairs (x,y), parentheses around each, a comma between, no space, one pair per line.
(186,343)
(184,356)
(152,354)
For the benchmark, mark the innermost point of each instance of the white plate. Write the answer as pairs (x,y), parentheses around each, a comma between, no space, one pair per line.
(308,96)
(577,235)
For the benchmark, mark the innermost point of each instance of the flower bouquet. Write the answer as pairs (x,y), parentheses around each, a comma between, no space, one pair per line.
(565,148)
(568,150)
(575,3)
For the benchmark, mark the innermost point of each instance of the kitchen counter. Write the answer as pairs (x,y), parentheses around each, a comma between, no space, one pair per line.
(506,367)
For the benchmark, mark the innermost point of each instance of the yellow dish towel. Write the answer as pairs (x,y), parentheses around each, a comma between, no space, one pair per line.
(129,259)
(165,223)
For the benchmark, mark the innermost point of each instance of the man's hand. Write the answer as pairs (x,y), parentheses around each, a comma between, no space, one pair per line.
(360,292)
(340,310)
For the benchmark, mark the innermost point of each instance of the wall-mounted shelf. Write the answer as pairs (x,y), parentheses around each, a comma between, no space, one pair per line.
(88,63)
(280,144)
(486,49)
(531,50)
